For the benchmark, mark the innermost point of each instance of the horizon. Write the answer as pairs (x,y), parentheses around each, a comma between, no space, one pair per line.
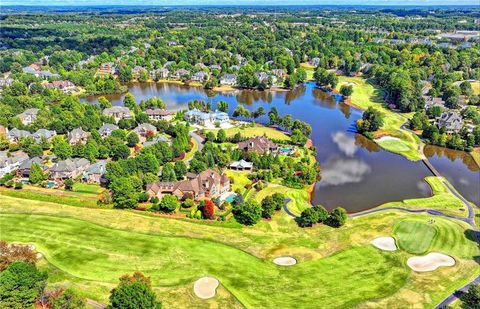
(241,3)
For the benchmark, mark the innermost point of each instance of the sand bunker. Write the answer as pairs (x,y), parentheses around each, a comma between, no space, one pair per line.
(285,261)
(39,255)
(385,243)
(430,262)
(386,138)
(205,287)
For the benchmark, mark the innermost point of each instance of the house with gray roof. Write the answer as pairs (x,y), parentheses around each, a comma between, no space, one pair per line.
(95,173)
(241,165)
(106,129)
(157,139)
(156,114)
(78,136)
(228,79)
(144,131)
(69,169)
(451,121)
(24,168)
(9,164)
(44,133)
(196,116)
(14,135)
(178,74)
(28,116)
(118,113)
(200,76)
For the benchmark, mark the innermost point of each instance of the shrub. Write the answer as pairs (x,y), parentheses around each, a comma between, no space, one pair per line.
(68,184)
(208,210)
(188,203)
(169,203)
(18,185)
(308,217)
(154,200)
(142,197)
(321,212)
(337,217)
(247,213)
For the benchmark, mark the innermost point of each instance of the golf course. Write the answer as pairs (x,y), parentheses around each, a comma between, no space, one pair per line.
(88,249)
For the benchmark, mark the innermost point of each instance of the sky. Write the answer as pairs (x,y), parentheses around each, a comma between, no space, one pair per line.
(237,2)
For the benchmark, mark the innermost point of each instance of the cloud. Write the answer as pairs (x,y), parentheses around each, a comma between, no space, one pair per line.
(345,143)
(338,171)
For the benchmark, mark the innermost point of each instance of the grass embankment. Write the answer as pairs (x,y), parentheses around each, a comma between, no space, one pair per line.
(91,248)
(442,199)
(257,130)
(366,95)
(192,151)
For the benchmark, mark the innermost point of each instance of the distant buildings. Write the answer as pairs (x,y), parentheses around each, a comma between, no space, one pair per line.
(144,131)
(451,121)
(106,129)
(78,136)
(200,76)
(69,169)
(9,164)
(64,85)
(28,116)
(95,173)
(107,68)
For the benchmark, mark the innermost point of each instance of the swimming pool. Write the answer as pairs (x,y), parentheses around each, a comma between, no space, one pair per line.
(230,198)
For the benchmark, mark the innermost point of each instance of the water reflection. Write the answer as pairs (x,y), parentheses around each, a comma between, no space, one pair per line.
(452,155)
(346,143)
(338,171)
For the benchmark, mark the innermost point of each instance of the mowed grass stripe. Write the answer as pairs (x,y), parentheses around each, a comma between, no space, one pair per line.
(414,236)
(93,252)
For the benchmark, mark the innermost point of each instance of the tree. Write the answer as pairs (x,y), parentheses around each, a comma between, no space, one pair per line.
(132,139)
(68,184)
(308,218)
(471,298)
(247,213)
(34,150)
(68,299)
(180,169)
(210,137)
(168,173)
(134,292)
(279,199)
(20,285)
(268,207)
(221,136)
(104,103)
(129,101)
(14,253)
(346,90)
(36,174)
(322,213)
(222,106)
(120,151)
(371,121)
(169,203)
(208,210)
(123,193)
(61,148)
(337,217)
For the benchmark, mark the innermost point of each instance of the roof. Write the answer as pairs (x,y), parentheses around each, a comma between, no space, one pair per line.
(28,163)
(97,168)
(241,164)
(107,127)
(117,110)
(156,139)
(70,165)
(16,133)
(259,144)
(44,133)
(157,112)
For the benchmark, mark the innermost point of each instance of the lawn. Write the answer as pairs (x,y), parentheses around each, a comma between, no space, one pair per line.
(414,236)
(90,248)
(87,188)
(51,195)
(257,130)
(240,180)
(367,95)
(441,199)
(476,87)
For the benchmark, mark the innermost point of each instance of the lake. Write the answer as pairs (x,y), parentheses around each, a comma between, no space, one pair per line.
(355,173)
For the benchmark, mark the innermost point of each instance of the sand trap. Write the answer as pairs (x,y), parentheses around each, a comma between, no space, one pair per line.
(39,255)
(430,262)
(205,287)
(385,243)
(387,138)
(285,261)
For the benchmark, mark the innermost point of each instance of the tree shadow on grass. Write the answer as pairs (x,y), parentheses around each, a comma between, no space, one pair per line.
(475,237)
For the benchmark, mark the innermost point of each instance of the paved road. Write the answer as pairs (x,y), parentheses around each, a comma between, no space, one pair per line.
(199,141)
(285,207)
(456,294)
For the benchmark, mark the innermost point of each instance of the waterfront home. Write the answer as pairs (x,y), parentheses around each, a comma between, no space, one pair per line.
(156,114)
(69,168)
(28,116)
(24,168)
(452,121)
(65,85)
(118,113)
(107,68)
(14,135)
(259,144)
(144,131)
(137,70)
(280,73)
(159,73)
(45,134)
(200,77)
(241,165)
(95,173)
(265,78)
(9,164)
(196,116)
(35,69)
(106,129)
(228,80)
(178,74)
(78,136)
(207,184)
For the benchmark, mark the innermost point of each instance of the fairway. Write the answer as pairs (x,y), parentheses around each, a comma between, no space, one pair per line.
(415,236)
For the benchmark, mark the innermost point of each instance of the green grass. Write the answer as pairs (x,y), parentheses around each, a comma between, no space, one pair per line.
(86,188)
(77,201)
(89,248)
(257,130)
(240,180)
(366,95)
(192,151)
(441,199)
(300,198)
(476,87)
(414,236)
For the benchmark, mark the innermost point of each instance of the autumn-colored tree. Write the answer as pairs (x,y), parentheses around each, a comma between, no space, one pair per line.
(208,210)
(12,253)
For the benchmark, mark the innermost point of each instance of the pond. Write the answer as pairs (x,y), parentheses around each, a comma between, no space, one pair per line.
(356,173)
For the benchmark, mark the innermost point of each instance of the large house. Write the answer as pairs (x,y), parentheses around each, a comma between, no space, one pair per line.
(78,136)
(28,116)
(106,129)
(241,165)
(107,68)
(144,131)
(258,144)
(44,133)
(35,69)
(69,169)
(64,85)
(159,73)
(200,76)
(95,173)
(157,139)
(156,114)
(207,184)
(9,164)
(452,121)
(178,74)
(24,168)
(14,135)
(228,80)
(206,119)
(118,113)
